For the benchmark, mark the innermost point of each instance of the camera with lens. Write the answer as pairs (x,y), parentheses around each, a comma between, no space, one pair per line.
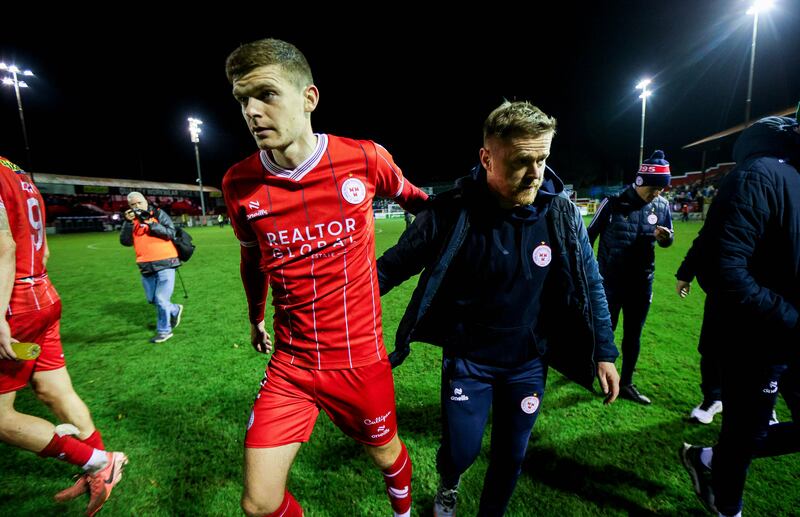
(142,215)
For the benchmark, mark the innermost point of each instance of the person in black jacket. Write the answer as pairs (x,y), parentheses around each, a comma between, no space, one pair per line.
(750,270)
(509,286)
(629,225)
(710,371)
(710,383)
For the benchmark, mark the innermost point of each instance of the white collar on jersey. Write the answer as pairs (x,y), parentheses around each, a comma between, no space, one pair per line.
(302,169)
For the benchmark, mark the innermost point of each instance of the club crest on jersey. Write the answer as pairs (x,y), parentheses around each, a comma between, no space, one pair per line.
(652,219)
(542,255)
(354,191)
(639,181)
(530,404)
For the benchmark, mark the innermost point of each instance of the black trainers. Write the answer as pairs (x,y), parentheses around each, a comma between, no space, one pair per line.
(700,475)
(631,393)
(444,503)
(174,321)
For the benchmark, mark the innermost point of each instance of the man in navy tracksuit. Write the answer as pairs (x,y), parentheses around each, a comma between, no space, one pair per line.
(629,225)
(750,271)
(509,286)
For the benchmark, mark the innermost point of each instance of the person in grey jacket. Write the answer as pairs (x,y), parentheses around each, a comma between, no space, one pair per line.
(150,231)
(509,287)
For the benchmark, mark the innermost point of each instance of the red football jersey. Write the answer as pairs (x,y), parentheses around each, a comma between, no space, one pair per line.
(315,228)
(24,207)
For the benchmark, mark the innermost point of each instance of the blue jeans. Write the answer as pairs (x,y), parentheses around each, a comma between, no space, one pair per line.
(158,290)
(468,391)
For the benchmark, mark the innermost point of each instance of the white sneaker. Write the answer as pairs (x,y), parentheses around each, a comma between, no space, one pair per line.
(774,418)
(704,413)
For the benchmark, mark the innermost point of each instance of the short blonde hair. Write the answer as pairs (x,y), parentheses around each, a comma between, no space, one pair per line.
(515,119)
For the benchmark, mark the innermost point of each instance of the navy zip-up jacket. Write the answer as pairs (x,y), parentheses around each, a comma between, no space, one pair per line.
(625,224)
(750,265)
(574,318)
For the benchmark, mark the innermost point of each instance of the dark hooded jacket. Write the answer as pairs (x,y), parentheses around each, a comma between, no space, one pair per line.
(750,264)
(573,331)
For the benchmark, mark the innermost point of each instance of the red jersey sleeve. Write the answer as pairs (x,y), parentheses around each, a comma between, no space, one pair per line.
(241,229)
(390,183)
(254,279)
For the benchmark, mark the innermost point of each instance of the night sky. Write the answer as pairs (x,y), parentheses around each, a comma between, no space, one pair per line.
(111,98)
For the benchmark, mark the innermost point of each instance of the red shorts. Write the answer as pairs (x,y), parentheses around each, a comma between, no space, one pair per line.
(359,401)
(42,327)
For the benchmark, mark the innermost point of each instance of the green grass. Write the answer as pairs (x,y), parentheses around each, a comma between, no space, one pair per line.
(179,409)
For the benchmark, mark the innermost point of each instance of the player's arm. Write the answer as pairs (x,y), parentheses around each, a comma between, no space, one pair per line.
(255,283)
(605,353)
(46,254)
(665,236)
(688,268)
(600,220)
(391,184)
(8,268)
(744,218)
(163,228)
(413,251)
(254,279)
(126,232)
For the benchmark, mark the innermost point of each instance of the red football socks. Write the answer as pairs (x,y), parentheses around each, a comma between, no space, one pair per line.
(289,507)
(69,449)
(95,440)
(398,482)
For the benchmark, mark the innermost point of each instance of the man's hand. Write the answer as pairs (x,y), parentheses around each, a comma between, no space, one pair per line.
(129,215)
(609,381)
(662,233)
(683,288)
(260,339)
(6,352)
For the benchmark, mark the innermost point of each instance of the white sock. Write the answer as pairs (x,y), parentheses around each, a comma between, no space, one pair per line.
(706,456)
(97,462)
(406,514)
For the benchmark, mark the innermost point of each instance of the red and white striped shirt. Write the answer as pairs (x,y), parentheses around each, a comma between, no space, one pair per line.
(316,232)
(24,207)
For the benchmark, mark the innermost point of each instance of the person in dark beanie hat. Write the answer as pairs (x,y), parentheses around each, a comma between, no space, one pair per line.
(629,225)
(654,172)
(750,270)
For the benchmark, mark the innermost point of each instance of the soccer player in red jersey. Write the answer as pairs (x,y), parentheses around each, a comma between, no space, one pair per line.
(32,311)
(302,209)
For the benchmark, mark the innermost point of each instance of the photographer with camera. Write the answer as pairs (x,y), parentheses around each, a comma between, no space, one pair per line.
(150,231)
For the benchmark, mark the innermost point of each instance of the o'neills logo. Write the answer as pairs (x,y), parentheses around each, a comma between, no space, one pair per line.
(305,240)
(382,418)
(257,215)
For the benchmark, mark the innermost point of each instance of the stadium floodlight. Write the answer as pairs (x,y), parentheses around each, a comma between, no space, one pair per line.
(759,6)
(194,131)
(643,84)
(14,81)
